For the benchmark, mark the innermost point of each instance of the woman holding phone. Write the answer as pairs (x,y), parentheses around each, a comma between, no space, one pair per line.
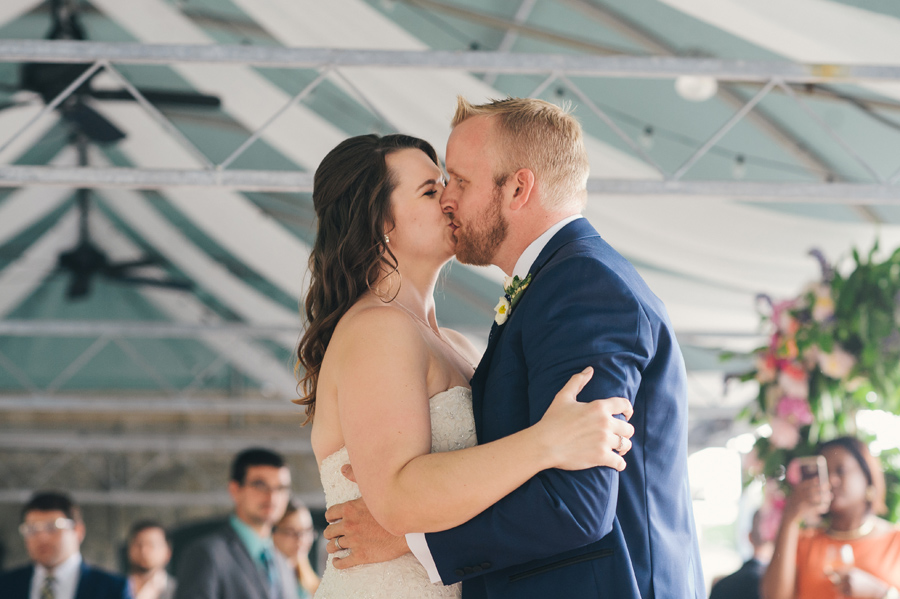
(852,552)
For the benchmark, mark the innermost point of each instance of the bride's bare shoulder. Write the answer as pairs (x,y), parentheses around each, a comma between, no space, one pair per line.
(373,322)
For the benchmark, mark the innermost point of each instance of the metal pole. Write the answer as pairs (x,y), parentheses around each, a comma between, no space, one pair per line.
(652,67)
(54,103)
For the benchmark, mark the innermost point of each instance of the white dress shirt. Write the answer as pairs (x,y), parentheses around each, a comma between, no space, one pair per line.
(416,540)
(66,575)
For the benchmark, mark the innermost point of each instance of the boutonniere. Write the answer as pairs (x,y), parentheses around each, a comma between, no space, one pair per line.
(513,287)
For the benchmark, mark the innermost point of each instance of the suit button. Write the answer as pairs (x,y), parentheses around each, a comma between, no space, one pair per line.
(469,570)
(486,565)
(477,569)
(459,572)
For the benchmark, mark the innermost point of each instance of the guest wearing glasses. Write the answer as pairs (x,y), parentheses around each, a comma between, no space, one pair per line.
(53,531)
(293,536)
(239,560)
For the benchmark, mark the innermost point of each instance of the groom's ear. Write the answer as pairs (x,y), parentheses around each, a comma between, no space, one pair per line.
(522,182)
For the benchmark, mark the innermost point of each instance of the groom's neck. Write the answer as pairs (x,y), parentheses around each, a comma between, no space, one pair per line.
(522,233)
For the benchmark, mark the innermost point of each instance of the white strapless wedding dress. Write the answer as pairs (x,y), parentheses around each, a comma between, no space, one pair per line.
(452,428)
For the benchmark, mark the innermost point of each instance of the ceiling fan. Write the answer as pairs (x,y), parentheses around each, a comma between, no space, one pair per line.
(86,261)
(47,80)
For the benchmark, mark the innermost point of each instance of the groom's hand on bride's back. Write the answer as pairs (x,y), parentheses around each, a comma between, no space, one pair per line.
(355,529)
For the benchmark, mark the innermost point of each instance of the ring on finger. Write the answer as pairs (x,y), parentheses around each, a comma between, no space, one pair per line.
(337,543)
(621,446)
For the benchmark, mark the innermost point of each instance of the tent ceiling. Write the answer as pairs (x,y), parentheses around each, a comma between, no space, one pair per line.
(707,244)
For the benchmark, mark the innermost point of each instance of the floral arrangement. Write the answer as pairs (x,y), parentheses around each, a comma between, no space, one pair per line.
(832,351)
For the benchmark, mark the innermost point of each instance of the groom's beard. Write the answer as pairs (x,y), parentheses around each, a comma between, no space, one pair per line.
(479,240)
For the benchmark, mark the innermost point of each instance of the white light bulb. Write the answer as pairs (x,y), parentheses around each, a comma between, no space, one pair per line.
(696,88)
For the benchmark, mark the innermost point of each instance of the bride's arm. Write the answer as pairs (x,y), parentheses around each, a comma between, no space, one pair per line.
(385,418)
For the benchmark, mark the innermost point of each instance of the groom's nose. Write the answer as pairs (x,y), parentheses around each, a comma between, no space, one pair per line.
(448,200)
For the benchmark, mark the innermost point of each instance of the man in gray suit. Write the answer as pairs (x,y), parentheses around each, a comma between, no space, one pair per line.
(238,560)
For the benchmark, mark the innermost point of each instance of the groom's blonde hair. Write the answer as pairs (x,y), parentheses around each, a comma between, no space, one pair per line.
(541,137)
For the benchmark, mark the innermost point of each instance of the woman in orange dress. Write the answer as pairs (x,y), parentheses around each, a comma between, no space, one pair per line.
(853,552)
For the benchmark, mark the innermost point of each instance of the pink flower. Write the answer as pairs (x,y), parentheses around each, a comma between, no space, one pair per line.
(794,409)
(782,317)
(794,380)
(770,521)
(792,474)
(785,435)
(770,511)
(765,368)
(837,364)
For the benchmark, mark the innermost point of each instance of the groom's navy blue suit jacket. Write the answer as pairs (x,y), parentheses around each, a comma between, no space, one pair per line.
(590,533)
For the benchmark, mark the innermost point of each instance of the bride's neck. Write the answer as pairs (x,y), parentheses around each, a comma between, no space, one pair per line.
(415,293)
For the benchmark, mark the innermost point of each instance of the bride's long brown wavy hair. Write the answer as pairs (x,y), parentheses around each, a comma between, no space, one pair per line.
(352,197)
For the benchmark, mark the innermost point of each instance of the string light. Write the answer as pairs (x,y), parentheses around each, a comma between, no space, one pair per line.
(646,139)
(739,168)
(696,88)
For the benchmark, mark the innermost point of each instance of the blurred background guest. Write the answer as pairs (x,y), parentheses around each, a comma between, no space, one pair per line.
(851,552)
(53,531)
(149,552)
(744,584)
(238,560)
(293,537)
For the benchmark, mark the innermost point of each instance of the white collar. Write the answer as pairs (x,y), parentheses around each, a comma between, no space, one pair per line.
(66,575)
(531,253)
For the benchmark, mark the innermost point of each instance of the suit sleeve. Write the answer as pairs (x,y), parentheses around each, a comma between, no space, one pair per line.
(196,575)
(577,314)
(125,590)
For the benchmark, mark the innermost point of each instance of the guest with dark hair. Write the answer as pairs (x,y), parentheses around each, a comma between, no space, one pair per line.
(53,530)
(239,560)
(293,536)
(852,552)
(149,552)
(744,584)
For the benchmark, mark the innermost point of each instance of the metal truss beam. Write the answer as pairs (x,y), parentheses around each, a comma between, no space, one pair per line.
(44,440)
(148,330)
(75,404)
(750,191)
(136,178)
(312,499)
(285,181)
(655,67)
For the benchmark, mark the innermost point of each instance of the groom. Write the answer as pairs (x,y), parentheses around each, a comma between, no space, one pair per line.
(517,173)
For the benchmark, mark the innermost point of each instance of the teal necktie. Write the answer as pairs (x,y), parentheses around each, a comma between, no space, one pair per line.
(271,570)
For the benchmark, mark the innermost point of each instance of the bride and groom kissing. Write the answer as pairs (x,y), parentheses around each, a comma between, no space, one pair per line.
(491,481)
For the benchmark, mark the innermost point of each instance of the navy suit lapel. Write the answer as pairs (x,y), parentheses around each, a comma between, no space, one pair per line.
(576,229)
(83,590)
(479,379)
(22,584)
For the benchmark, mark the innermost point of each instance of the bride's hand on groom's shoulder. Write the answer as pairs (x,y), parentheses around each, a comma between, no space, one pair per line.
(587,434)
(352,528)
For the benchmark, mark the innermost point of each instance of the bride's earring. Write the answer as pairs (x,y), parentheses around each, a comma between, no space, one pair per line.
(387,239)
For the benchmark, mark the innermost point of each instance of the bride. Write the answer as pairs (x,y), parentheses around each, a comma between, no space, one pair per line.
(387,388)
